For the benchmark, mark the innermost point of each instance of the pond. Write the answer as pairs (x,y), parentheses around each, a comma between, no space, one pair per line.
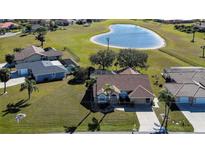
(129,36)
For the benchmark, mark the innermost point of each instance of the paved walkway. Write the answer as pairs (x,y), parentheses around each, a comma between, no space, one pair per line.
(146,116)
(195,114)
(13,82)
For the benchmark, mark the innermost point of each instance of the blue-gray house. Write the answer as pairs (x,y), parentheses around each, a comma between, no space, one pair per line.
(42,71)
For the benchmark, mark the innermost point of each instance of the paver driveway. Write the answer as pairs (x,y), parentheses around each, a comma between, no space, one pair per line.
(146,116)
(195,114)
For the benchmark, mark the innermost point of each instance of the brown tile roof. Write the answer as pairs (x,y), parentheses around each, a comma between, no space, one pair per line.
(125,82)
(6,24)
(29,51)
(141,92)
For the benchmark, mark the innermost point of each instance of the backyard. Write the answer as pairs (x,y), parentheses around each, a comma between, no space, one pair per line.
(57,104)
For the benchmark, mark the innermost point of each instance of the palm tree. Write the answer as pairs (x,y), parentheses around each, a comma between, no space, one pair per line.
(108,89)
(168,98)
(203,47)
(9,58)
(194,30)
(41,32)
(41,37)
(4,77)
(30,85)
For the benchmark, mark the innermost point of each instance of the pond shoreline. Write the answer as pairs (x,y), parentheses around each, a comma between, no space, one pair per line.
(163,43)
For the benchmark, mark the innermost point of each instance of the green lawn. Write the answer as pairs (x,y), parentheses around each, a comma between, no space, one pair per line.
(58,104)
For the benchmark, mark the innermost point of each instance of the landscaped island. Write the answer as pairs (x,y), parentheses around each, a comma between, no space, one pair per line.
(57,107)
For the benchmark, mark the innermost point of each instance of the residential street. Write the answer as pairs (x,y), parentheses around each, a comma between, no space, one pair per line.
(195,114)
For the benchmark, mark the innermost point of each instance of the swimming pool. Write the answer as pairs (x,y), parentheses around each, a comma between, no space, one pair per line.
(129,36)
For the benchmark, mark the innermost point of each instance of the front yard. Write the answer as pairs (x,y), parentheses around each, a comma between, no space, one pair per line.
(57,104)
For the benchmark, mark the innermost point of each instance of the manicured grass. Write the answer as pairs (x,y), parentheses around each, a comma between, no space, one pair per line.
(58,104)
(177,122)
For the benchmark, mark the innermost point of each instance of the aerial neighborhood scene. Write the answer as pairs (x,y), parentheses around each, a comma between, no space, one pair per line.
(102,76)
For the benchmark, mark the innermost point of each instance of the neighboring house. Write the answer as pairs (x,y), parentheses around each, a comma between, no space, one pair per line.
(187,84)
(70,64)
(174,21)
(7,25)
(99,72)
(33,53)
(42,71)
(126,89)
(201,26)
(34,27)
(64,22)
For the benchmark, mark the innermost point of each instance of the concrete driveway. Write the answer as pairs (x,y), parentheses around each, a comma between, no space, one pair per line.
(13,82)
(195,114)
(147,118)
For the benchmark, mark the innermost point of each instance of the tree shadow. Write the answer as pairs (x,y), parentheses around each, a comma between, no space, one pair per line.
(174,107)
(95,124)
(75,82)
(14,108)
(72,129)
(88,99)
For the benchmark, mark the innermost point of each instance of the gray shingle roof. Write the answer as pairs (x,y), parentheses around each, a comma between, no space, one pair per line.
(29,51)
(188,90)
(189,81)
(43,67)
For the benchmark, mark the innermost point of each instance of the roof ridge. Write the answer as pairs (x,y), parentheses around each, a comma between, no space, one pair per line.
(142,88)
(179,89)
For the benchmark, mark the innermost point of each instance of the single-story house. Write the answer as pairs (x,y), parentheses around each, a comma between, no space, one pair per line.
(33,53)
(7,25)
(42,71)
(201,26)
(34,27)
(126,88)
(70,64)
(187,84)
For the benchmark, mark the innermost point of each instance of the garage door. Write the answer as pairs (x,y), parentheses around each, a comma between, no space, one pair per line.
(200,100)
(183,99)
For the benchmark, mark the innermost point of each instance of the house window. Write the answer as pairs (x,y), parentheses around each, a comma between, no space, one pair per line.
(147,100)
(102,98)
(123,96)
